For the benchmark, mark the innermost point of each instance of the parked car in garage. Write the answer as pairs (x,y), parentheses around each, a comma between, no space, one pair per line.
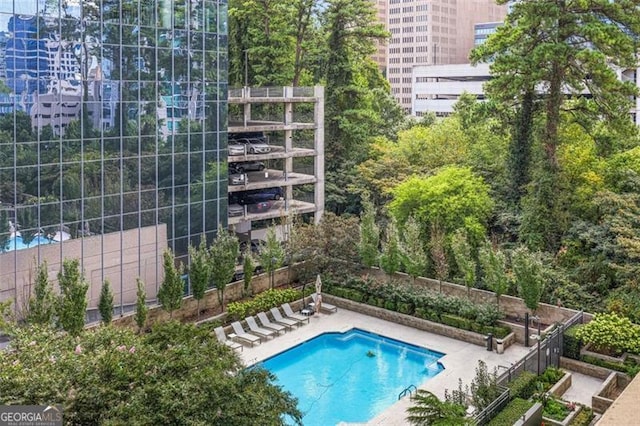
(260,195)
(255,142)
(246,166)
(235,210)
(236,179)
(236,149)
(259,207)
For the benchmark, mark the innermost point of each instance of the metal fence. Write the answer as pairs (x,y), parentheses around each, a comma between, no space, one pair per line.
(545,352)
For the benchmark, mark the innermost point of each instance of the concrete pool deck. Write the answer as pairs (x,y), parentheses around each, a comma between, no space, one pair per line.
(460,360)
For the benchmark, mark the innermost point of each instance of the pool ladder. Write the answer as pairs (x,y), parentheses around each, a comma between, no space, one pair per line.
(408,390)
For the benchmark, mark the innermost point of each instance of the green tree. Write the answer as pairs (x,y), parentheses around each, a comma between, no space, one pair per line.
(199,271)
(248,266)
(454,198)
(494,270)
(484,387)
(391,258)
(428,410)
(566,47)
(223,255)
(42,304)
(369,234)
(105,304)
(462,253)
(529,276)
(72,301)
(272,254)
(174,366)
(141,305)
(438,253)
(413,255)
(171,290)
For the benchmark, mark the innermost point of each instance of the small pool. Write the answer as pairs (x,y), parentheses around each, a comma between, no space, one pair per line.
(350,377)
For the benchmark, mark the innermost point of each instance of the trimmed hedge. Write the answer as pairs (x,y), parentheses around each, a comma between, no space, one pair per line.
(523,386)
(262,302)
(571,344)
(512,412)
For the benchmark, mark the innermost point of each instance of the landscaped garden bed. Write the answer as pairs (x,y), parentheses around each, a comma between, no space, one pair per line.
(608,341)
(435,308)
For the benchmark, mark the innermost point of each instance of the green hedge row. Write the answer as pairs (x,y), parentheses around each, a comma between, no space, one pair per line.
(411,299)
(449,310)
(262,302)
(571,344)
(523,386)
(512,412)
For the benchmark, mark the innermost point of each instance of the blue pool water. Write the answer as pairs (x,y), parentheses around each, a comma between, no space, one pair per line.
(335,380)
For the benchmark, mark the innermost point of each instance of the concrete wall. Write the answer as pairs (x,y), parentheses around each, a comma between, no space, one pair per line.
(120,257)
(533,417)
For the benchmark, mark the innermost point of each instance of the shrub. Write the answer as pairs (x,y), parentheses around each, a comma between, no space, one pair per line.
(583,418)
(551,376)
(611,332)
(405,308)
(571,344)
(512,412)
(556,410)
(523,386)
(262,302)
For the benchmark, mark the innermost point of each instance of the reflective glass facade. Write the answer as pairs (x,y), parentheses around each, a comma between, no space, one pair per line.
(112,118)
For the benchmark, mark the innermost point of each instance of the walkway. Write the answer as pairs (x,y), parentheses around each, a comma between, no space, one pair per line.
(582,388)
(460,360)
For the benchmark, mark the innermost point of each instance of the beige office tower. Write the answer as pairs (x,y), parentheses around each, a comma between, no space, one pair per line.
(428,32)
(380,57)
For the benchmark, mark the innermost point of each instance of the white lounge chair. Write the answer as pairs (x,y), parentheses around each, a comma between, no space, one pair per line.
(243,335)
(287,322)
(264,320)
(222,338)
(324,305)
(290,314)
(260,331)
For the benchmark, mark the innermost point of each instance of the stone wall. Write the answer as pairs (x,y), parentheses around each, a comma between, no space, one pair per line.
(584,368)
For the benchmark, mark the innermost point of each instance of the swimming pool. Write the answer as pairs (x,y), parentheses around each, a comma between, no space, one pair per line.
(352,376)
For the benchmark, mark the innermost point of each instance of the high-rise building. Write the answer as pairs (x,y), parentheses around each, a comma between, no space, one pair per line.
(113,147)
(380,56)
(431,32)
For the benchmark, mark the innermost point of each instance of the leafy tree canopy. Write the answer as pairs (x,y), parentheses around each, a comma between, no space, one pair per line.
(454,198)
(177,374)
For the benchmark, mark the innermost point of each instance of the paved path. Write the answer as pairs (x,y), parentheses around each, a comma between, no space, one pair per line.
(460,360)
(582,388)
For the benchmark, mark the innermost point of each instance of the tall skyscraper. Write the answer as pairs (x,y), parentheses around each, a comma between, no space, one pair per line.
(113,118)
(432,32)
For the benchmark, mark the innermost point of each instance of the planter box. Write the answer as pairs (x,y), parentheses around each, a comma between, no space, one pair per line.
(566,420)
(561,386)
(586,350)
(533,417)
(609,391)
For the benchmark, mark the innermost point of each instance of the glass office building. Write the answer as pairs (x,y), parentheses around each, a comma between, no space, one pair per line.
(112,136)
